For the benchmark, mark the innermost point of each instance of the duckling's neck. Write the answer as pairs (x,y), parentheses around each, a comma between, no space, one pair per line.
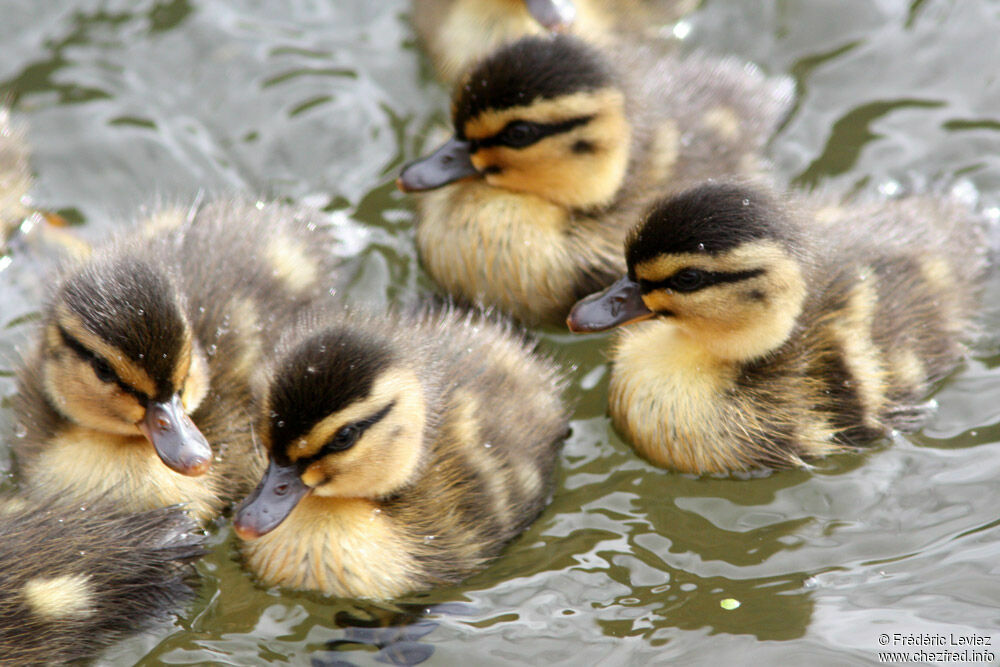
(339,546)
(84,464)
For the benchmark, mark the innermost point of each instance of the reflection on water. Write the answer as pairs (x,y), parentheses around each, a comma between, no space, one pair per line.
(128,104)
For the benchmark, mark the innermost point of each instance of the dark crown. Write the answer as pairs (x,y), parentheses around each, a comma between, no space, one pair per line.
(320,376)
(528,70)
(133,306)
(711,218)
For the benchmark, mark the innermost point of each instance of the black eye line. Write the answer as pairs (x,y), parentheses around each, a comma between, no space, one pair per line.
(542,130)
(93,359)
(709,278)
(362,426)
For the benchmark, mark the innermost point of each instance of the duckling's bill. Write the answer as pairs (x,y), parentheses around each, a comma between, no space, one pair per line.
(555,15)
(619,304)
(449,163)
(270,503)
(178,442)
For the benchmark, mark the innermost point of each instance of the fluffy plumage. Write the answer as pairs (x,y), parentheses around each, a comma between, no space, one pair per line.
(559,147)
(15,176)
(406,450)
(778,331)
(74,579)
(457,33)
(165,325)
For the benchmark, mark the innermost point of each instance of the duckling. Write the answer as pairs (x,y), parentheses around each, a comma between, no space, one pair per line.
(457,33)
(773,333)
(74,579)
(15,176)
(557,148)
(141,373)
(405,451)
(17,212)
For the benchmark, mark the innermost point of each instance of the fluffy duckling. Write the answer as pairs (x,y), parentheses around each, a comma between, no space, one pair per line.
(16,209)
(558,147)
(771,335)
(405,452)
(141,374)
(15,177)
(457,33)
(74,579)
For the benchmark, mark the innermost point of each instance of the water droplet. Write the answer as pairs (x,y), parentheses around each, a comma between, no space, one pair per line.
(429,538)
(889,188)
(729,604)
(211,349)
(701,247)
(487,445)
(20,430)
(682,29)
(281,423)
(746,202)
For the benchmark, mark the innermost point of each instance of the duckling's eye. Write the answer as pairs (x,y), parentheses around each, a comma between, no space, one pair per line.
(102,370)
(687,280)
(519,134)
(344,438)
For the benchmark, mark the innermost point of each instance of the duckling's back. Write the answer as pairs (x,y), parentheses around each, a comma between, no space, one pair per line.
(911,272)
(498,421)
(894,297)
(698,117)
(74,579)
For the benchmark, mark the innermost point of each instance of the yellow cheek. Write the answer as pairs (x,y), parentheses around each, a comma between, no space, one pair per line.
(658,301)
(196,385)
(79,395)
(316,474)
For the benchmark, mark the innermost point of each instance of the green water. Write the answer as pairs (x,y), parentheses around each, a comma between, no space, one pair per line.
(128,104)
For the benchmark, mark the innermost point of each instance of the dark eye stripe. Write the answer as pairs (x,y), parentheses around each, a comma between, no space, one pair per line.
(86,355)
(362,426)
(542,130)
(709,278)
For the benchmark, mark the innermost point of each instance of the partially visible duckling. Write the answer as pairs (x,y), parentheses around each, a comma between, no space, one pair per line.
(16,209)
(15,176)
(405,452)
(558,147)
(161,327)
(457,33)
(775,335)
(74,579)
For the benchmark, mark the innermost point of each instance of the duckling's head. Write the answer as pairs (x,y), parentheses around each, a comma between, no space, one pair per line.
(720,261)
(118,356)
(344,417)
(543,115)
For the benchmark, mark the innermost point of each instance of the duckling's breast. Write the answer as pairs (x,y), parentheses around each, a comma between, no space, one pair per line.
(84,464)
(497,247)
(339,546)
(669,398)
